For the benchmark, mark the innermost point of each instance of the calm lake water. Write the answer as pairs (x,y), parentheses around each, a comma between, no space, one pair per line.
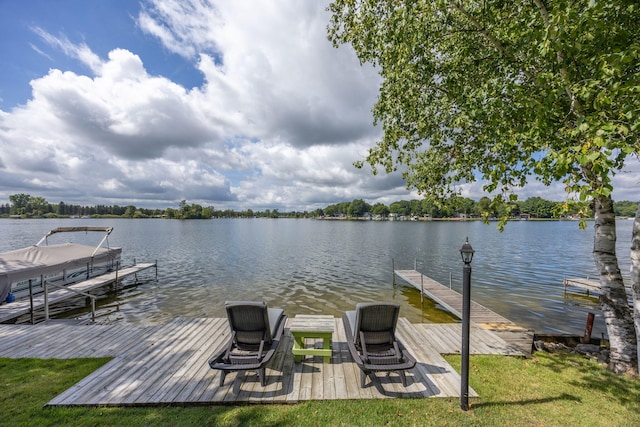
(313,266)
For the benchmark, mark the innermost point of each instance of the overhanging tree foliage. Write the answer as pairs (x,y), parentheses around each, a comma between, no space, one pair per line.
(505,92)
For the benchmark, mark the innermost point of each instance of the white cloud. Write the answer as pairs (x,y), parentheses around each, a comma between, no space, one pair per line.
(185,27)
(627,182)
(272,64)
(81,52)
(281,114)
(277,123)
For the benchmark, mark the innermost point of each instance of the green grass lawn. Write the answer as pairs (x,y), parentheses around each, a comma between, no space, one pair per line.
(546,390)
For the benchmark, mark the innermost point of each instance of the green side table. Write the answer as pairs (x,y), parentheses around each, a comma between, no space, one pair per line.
(312,326)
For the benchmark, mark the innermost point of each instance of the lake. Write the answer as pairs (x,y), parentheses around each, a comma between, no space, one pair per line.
(315,266)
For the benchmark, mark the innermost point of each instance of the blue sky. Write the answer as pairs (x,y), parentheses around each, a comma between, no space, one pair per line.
(236,104)
(102,25)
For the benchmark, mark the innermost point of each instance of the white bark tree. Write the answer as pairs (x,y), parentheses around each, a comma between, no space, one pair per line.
(506,92)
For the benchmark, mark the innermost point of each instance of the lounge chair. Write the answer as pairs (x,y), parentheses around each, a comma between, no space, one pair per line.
(255,336)
(370,331)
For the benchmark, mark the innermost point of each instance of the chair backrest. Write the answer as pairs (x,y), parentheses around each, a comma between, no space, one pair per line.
(250,322)
(377,321)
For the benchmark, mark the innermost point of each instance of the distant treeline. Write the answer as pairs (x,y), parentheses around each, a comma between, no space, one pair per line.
(27,206)
(534,207)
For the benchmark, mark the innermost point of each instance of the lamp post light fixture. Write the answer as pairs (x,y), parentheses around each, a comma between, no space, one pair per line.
(466,251)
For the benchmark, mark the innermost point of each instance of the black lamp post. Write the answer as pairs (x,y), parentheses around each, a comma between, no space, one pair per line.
(467,255)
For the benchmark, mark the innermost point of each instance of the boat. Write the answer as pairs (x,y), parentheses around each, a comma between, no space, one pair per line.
(24,272)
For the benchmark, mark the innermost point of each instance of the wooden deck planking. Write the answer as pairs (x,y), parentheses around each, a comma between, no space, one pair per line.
(167,364)
(92,341)
(194,367)
(120,341)
(315,382)
(338,378)
(167,385)
(439,377)
(158,360)
(447,339)
(518,337)
(56,295)
(284,367)
(348,369)
(117,376)
(166,368)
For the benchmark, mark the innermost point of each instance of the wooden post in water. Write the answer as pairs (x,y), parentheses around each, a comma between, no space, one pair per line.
(421,289)
(33,322)
(117,269)
(587,331)
(393,272)
(45,287)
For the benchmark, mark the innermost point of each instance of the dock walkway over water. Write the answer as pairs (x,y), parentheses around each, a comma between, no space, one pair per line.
(450,300)
(591,287)
(19,308)
(167,364)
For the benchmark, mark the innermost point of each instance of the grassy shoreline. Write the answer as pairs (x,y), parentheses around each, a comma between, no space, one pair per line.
(559,389)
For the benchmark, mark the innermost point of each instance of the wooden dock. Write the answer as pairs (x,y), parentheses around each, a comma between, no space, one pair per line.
(586,284)
(590,286)
(167,364)
(21,307)
(520,338)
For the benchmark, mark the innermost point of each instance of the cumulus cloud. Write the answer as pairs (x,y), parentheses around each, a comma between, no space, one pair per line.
(123,111)
(272,63)
(277,122)
(627,181)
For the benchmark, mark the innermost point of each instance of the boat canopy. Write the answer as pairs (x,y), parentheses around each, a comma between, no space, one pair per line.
(107,230)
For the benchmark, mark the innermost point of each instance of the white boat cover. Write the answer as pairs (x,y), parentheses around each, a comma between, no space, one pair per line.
(35,261)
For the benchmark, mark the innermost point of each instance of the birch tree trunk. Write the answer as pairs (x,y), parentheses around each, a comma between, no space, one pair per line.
(635,275)
(613,298)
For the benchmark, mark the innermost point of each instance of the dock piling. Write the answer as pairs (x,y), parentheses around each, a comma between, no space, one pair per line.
(588,329)
(45,285)
(33,320)
(393,272)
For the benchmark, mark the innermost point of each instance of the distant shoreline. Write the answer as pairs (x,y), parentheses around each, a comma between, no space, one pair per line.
(345,218)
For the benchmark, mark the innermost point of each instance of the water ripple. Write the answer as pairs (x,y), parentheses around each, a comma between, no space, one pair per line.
(308,266)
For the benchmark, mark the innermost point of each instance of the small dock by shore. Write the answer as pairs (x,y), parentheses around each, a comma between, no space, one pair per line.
(590,287)
(587,284)
(521,339)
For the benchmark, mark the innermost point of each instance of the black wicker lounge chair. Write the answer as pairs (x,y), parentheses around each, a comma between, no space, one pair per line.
(255,336)
(370,331)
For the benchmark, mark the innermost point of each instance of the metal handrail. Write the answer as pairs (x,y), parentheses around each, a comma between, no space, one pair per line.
(106,230)
(46,299)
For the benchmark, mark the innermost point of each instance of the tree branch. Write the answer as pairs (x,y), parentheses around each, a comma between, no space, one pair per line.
(492,39)
(560,58)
